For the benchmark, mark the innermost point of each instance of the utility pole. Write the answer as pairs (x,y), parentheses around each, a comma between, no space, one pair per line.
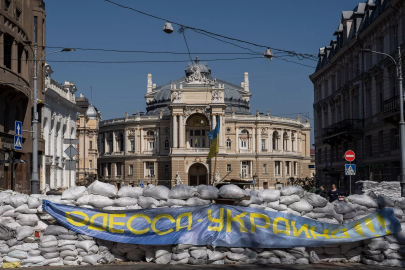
(34,177)
(401,121)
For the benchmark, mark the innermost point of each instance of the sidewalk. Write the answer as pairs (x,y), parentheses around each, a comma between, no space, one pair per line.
(147,266)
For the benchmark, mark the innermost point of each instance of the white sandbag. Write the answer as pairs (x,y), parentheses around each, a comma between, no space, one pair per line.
(34,253)
(378,245)
(177,202)
(157,192)
(291,190)
(28,220)
(291,212)
(37,260)
(62,242)
(17,200)
(125,201)
(164,259)
(162,250)
(86,245)
(48,238)
(274,260)
(10,259)
(67,247)
(215,255)
(287,200)
(301,206)
(328,209)
(231,192)
(53,261)
(236,256)
(24,209)
(11,213)
(4,249)
(384,201)
(302,261)
(207,192)
(197,201)
(147,202)
(5,208)
(194,261)
(253,200)
(84,200)
(199,254)
(18,254)
(24,231)
(4,195)
(270,195)
(55,230)
(343,207)
(398,212)
(316,200)
(92,259)
(65,253)
(100,201)
(104,189)
(363,200)
(182,192)
(276,205)
(41,226)
(313,215)
(73,193)
(132,192)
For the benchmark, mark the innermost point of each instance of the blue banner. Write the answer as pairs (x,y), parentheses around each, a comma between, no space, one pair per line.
(219,225)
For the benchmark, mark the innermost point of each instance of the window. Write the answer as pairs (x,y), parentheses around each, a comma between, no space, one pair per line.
(108,169)
(394,138)
(91,145)
(275,140)
(119,168)
(167,145)
(90,164)
(287,167)
(380,48)
(380,142)
(277,168)
(265,185)
(7,48)
(295,168)
(19,55)
(394,38)
(150,133)
(151,145)
(167,130)
(263,144)
(228,144)
(264,168)
(243,144)
(285,141)
(131,170)
(7,4)
(368,103)
(197,138)
(245,170)
(228,129)
(228,167)
(380,97)
(149,169)
(243,131)
(17,15)
(369,149)
(167,169)
(133,146)
(35,29)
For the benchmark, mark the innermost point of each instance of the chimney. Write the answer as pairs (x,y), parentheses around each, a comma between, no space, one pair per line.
(149,83)
(246,82)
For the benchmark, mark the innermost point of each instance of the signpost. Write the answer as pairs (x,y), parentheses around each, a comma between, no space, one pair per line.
(18,135)
(141,183)
(71,151)
(350,169)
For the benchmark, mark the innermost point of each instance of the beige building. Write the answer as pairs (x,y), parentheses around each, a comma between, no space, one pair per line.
(357,97)
(171,137)
(87,133)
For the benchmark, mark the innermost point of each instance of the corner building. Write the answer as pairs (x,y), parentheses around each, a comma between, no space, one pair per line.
(171,137)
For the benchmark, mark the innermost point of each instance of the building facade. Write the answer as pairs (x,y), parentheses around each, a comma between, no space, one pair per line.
(356,96)
(170,139)
(21,21)
(87,132)
(58,123)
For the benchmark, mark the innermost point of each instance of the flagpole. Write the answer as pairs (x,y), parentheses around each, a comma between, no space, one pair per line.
(215,169)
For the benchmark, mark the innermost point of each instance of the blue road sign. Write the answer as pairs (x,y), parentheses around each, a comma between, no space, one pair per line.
(350,169)
(18,128)
(141,184)
(17,142)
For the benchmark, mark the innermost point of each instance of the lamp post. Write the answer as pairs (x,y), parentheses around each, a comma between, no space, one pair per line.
(398,63)
(34,176)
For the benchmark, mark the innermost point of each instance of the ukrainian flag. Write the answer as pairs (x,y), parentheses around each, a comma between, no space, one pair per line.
(213,135)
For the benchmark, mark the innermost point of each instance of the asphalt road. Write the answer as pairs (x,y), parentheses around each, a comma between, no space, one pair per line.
(147,266)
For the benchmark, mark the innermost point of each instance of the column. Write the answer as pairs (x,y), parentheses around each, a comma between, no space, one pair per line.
(126,144)
(214,121)
(141,148)
(270,142)
(289,147)
(181,131)
(221,131)
(237,139)
(253,140)
(105,142)
(157,141)
(175,137)
(135,140)
(114,144)
(2,52)
(188,140)
(259,140)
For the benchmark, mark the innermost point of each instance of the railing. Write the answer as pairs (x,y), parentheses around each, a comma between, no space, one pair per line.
(342,126)
(197,150)
(149,152)
(245,151)
(391,105)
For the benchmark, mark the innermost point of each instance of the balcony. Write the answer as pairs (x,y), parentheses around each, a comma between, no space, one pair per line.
(391,105)
(245,151)
(345,129)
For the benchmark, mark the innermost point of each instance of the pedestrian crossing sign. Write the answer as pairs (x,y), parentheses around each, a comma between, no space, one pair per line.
(17,142)
(350,169)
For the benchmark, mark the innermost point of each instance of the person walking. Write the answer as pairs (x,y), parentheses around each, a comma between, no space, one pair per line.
(322,192)
(334,193)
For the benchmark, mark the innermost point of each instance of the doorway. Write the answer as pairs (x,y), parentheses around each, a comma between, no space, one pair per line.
(197,175)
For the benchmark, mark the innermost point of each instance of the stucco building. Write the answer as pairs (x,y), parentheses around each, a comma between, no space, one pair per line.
(356,95)
(87,126)
(171,138)
(21,21)
(58,123)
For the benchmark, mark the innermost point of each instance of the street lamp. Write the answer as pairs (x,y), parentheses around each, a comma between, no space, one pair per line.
(34,176)
(398,63)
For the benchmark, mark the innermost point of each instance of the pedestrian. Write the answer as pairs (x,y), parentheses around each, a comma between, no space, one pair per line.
(334,193)
(322,192)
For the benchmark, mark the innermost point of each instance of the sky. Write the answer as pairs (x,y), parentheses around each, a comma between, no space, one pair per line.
(282,87)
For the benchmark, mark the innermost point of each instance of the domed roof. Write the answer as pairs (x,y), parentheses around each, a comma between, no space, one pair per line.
(197,65)
(91,112)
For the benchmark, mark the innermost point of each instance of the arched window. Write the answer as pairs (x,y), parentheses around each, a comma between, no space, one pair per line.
(293,138)
(275,140)
(151,133)
(228,144)
(244,131)
(285,141)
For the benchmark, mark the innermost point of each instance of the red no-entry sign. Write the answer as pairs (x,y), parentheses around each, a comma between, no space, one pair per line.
(350,156)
